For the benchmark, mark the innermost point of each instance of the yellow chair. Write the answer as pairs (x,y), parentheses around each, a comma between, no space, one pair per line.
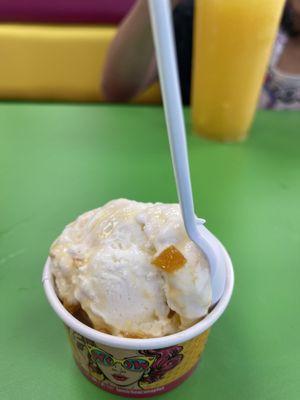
(56,62)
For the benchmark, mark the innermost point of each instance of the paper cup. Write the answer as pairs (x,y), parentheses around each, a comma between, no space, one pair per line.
(138,367)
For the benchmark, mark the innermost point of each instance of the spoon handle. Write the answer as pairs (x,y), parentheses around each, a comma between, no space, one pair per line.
(162,27)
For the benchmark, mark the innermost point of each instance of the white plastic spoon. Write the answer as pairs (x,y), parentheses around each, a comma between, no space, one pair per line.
(161,21)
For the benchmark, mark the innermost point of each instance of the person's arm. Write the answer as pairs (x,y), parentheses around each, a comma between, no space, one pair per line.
(130,66)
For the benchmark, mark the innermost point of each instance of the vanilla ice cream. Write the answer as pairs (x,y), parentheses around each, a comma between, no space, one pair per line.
(112,264)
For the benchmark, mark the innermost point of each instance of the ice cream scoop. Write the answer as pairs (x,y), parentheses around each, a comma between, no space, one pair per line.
(132,269)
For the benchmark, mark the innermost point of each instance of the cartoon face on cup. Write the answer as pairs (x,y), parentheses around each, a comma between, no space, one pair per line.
(121,367)
(128,368)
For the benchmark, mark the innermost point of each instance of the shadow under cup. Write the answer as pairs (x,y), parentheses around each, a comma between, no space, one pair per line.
(138,367)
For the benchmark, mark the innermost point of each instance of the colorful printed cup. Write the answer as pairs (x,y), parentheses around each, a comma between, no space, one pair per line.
(138,367)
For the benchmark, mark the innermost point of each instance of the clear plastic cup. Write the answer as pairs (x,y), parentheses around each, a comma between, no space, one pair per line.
(138,367)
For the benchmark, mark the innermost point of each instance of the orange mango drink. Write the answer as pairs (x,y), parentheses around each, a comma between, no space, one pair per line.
(233,40)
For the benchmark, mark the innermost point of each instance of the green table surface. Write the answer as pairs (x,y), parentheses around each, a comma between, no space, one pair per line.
(58,161)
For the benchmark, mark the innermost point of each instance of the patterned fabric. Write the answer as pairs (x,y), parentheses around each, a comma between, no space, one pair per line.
(281,91)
